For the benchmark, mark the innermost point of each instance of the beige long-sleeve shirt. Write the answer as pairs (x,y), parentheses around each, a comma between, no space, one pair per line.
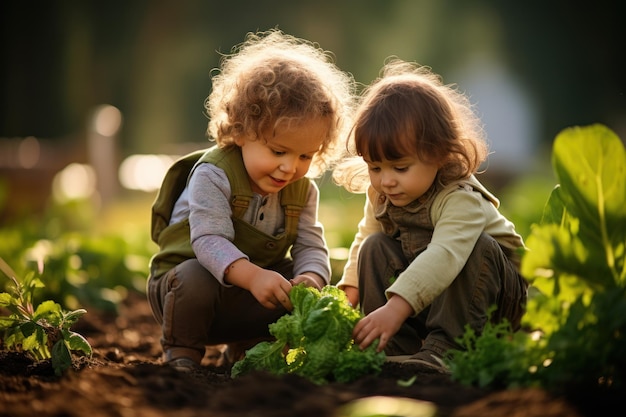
(459,213)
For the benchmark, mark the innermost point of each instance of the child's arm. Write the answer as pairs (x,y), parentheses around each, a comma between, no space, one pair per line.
(352,293)
(368,225)
(459,220)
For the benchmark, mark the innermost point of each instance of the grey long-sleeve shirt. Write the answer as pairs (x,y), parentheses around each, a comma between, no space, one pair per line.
(206,202)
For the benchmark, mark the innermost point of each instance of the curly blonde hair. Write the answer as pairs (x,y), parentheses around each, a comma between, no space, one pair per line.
(273,78)
(407,111)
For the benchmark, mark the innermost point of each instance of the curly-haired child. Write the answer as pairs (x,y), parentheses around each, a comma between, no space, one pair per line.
(237,224)
(432,253)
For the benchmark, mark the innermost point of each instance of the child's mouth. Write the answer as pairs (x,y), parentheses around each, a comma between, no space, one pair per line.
(278,182)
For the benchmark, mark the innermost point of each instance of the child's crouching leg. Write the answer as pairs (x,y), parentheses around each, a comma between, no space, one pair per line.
(489,278)
(189,290)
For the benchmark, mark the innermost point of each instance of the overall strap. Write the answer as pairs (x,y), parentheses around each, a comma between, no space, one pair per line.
(229,159)
(293,199)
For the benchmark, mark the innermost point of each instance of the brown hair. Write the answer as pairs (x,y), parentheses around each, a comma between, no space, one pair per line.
(273,78)
(409,111)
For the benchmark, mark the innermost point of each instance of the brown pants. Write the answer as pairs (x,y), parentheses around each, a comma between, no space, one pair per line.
(488,278)
(195,310)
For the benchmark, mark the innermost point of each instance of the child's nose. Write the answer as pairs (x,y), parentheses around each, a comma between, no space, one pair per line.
(289,165)
(386,179)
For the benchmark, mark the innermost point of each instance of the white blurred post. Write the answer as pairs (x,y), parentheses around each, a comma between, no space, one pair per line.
(102,138)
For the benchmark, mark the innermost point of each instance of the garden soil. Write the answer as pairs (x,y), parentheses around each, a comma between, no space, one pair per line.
(125,377)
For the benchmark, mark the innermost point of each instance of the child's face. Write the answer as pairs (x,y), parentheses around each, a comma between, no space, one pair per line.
(273,162)
(403,180)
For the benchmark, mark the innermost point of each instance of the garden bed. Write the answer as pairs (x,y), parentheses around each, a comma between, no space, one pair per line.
(125,377)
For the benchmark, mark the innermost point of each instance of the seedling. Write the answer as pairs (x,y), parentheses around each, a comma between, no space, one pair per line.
(43,332)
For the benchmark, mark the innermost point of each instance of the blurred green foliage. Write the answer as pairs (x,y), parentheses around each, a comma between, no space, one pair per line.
(83,266)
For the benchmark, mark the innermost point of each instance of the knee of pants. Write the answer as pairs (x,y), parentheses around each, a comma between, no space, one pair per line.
(380,260)
(376,245)
(506,282)
(192,282)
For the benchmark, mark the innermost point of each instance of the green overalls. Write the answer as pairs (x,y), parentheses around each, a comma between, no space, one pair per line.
(174,240)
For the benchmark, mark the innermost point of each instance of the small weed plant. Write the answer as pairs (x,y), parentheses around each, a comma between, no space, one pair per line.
(42,331)
(576,263)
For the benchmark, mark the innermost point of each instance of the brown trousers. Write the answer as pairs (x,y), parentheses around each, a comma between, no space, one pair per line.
(488,278)
(195,310)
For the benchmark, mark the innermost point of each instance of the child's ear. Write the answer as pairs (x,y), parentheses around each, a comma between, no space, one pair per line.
(239,140)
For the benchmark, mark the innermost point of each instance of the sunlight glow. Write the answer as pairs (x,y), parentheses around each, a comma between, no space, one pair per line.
(107,120)
(144,172)
(75,181)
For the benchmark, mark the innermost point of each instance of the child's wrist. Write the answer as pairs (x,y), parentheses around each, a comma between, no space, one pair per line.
(315,277)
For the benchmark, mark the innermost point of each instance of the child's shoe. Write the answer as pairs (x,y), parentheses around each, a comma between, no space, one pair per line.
(184,364)
(428,361)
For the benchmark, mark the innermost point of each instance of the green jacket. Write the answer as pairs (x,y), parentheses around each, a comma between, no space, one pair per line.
(174,240)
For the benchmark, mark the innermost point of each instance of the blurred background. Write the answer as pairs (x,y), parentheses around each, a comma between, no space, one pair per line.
(97,98)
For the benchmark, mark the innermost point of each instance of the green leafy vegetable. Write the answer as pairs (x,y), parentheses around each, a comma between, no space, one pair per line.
(314,341)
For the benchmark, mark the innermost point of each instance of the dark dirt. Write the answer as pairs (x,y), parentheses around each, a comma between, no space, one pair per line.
(126,378)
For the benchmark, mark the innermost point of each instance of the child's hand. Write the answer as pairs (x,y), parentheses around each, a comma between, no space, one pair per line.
(309,280)
(271,289)
(382,323)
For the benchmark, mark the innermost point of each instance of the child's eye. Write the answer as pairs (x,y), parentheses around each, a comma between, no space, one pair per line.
(401,169)
(373,169)
(278,153)
(306,157)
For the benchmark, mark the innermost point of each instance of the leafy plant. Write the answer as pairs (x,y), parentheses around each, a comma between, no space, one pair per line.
(314,341)
(496,358)
(576,263)
(42,331)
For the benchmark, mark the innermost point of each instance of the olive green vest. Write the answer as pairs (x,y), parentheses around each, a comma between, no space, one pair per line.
(174,240)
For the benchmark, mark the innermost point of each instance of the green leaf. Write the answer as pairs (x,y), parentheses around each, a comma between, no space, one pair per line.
(32,341)
(7,322)
(50,311)
(6,299)
(353,363)
(263,356)
(554,210)
(77,342)
(303,299)
(72,317)
(28,328)
(590,163)
(61,357)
